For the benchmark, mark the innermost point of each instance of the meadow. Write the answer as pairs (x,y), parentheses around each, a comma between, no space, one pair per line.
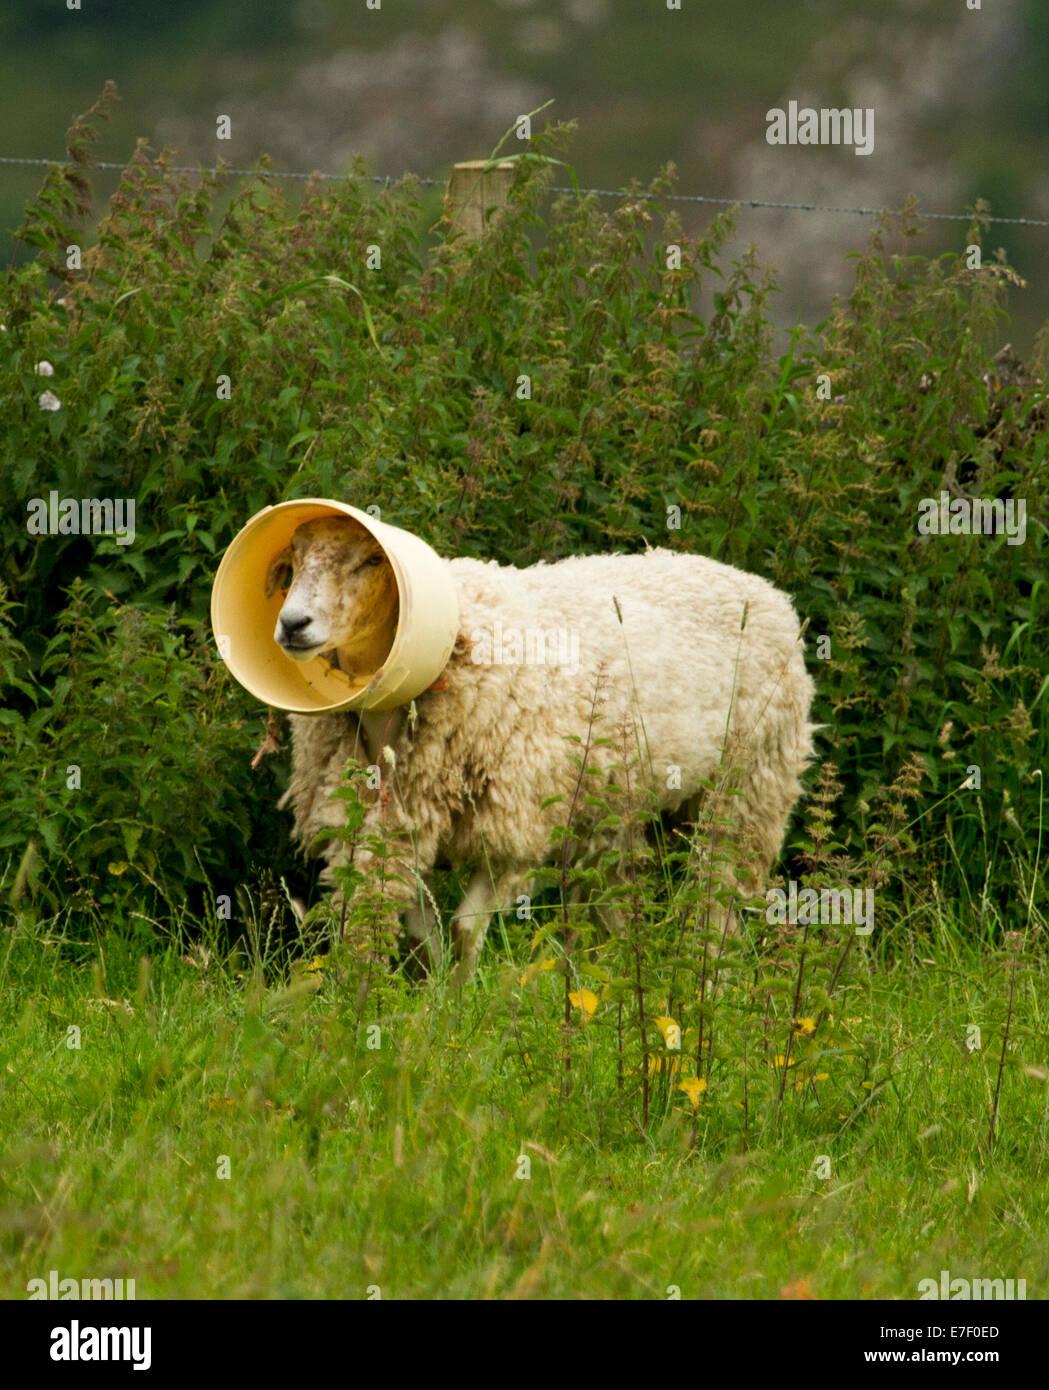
(205,1091)
(212,1135)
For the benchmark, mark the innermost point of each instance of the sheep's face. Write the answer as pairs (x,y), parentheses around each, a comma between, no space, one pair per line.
(340,591)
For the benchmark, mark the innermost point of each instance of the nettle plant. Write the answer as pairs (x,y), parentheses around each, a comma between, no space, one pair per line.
(550,389)
(121,769)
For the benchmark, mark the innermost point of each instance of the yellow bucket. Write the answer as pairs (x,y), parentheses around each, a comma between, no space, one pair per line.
(243,618)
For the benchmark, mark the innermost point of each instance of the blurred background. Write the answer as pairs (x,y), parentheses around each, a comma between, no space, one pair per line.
(961,101)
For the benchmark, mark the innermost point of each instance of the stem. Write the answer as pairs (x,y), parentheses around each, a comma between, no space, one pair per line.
(1005,1044)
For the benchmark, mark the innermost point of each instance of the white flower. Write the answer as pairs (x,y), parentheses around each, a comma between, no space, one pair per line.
(44,369)
(49,401)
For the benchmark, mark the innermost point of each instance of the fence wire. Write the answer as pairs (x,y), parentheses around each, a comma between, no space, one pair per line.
(596,192)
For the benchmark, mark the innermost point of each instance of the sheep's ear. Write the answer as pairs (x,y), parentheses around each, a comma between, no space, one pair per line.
(277,571)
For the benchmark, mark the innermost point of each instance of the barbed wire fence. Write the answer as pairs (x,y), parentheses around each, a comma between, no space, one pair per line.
(263,172)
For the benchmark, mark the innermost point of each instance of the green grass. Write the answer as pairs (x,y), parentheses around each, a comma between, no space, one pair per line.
(397,1165)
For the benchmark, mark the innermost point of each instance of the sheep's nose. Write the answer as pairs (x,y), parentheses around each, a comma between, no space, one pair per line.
(290,626)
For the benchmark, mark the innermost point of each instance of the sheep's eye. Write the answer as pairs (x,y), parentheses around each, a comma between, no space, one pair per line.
(375,559)
(282,577)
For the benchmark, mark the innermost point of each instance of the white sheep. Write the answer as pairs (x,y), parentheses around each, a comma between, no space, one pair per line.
(681,656)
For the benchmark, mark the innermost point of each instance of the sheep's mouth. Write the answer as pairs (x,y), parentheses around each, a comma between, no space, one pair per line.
(301,651)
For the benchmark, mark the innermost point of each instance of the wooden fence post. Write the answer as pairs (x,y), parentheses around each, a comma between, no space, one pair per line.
(471,195)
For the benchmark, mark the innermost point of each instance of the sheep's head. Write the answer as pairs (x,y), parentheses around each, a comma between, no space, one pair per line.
(340,594)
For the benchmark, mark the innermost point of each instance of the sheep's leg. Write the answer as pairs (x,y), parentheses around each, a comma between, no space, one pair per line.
(729,877)
(470,923)
(420,925)
(759,811)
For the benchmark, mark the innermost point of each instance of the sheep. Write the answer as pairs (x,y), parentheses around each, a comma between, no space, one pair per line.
(344,598)
(681,656)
